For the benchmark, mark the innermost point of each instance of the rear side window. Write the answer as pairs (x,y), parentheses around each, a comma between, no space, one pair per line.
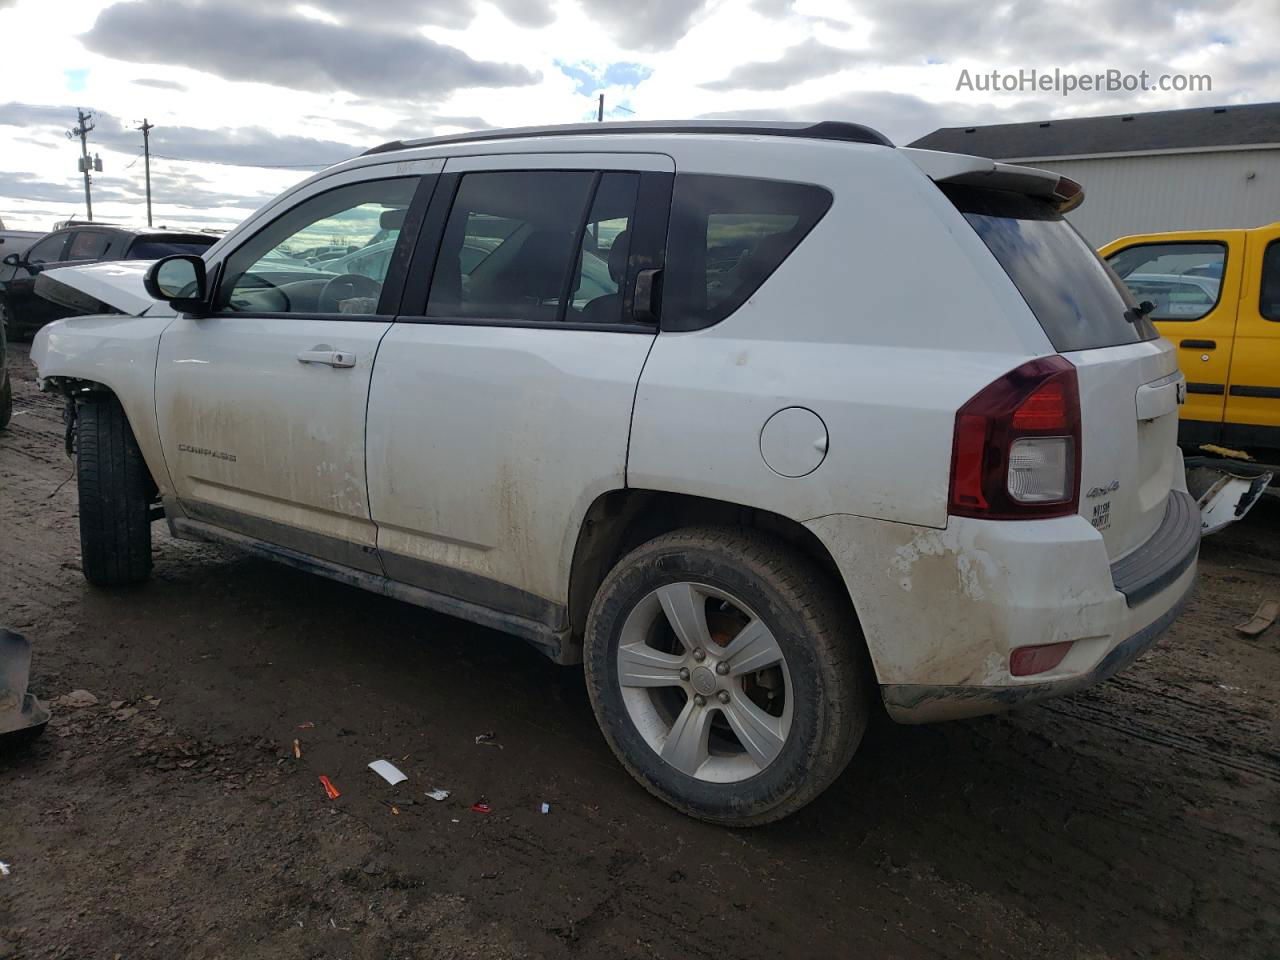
(1269,301)
(727,235)
(153,248)
(1183,280)
(1078,299)
(89,245)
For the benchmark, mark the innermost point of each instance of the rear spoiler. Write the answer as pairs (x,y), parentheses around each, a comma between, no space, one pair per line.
(1065,193)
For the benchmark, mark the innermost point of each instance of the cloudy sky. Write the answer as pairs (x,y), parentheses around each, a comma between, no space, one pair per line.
(249,96)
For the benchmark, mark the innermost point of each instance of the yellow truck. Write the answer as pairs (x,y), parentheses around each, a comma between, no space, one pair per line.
(1216,297)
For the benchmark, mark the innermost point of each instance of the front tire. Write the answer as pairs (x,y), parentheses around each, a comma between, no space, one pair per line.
(722,666)
(6,398)
(115,496)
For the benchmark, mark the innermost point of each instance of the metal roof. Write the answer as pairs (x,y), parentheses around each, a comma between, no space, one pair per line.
(823,130)
(1197,128)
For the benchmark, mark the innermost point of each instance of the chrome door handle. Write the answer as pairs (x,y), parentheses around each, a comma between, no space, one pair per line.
(332,358)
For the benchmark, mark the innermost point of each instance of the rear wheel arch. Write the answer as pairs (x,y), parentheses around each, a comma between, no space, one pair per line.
(619,521)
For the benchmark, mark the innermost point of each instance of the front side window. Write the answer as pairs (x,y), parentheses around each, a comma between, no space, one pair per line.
(310,260)
(48,250)
(727,236)
(89,245)
(1183,280)
(1269,301)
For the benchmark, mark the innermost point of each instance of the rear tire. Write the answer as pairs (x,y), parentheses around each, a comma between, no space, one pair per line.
(115,496)
(758,760)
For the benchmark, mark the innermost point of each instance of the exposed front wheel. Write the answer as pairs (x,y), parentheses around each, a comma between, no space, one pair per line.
(115,496)
(723,671)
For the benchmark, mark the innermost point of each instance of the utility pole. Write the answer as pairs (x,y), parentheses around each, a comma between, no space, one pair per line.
(600,110)
(146,129)
(81,130)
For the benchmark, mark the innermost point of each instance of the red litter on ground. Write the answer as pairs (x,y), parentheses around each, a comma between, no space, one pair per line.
(329,788)
(481,806)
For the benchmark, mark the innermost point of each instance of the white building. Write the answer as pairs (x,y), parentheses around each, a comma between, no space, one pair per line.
(1208,167)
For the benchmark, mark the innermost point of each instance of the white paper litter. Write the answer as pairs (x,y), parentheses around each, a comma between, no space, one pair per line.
(546,808)
(4,869)
(438,794)
(388,771)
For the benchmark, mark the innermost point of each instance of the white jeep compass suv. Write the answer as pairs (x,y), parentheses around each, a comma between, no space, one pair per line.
(762,423)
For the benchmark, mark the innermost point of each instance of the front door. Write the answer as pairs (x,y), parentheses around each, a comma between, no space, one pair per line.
(26,311)
(261,405)
(501,403)
(1195,286)
(1253,393)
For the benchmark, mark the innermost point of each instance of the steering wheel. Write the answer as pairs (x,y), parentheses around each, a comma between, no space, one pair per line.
(347,286)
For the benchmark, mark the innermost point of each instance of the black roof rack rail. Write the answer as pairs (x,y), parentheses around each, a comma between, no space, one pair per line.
(823,130)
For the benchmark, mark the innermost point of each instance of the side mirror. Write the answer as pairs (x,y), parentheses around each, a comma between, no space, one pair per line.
(180,282)
(12,260)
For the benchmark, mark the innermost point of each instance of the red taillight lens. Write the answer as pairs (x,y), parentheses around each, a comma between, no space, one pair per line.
(1028,661)
(1016,453)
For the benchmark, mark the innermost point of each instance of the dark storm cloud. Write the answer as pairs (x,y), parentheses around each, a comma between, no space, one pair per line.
(804,61)
(242,145)
(406,15)
(645,24)
(241,43)
(161,84)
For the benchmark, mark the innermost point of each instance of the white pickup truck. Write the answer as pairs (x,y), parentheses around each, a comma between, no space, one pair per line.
(763,423)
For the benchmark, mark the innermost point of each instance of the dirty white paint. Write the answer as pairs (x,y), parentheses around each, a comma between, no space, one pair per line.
(249,428)
(946,607)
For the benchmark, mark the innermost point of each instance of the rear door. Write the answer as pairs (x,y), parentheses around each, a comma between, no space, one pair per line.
(261,405)
(501,403)
(89,246)
(1130,386)
(1194,283)
(1253,392)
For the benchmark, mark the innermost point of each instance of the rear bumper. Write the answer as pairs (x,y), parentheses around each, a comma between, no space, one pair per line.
(942,610)
(922,703)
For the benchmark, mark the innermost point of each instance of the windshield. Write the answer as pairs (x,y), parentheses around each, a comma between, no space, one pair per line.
(1078,299)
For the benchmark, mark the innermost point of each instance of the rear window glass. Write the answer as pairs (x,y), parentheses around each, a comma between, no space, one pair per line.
(153,248)
(727,235)
(1078,299)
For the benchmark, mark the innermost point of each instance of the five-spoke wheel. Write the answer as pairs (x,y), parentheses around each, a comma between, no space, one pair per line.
(722,667)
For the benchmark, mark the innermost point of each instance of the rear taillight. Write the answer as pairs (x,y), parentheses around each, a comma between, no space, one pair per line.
(1017,446)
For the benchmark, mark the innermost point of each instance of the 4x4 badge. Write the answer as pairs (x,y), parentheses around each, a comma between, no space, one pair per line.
(1111,487)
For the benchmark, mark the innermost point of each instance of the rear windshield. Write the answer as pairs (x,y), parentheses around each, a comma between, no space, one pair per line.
(1078,299)
(153,248)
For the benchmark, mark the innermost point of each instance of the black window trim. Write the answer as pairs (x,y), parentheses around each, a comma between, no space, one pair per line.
(1226,256)
(392,284)
(648,249)
(1262,278)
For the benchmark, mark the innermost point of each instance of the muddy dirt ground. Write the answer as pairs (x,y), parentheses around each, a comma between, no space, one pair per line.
(1140,818)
